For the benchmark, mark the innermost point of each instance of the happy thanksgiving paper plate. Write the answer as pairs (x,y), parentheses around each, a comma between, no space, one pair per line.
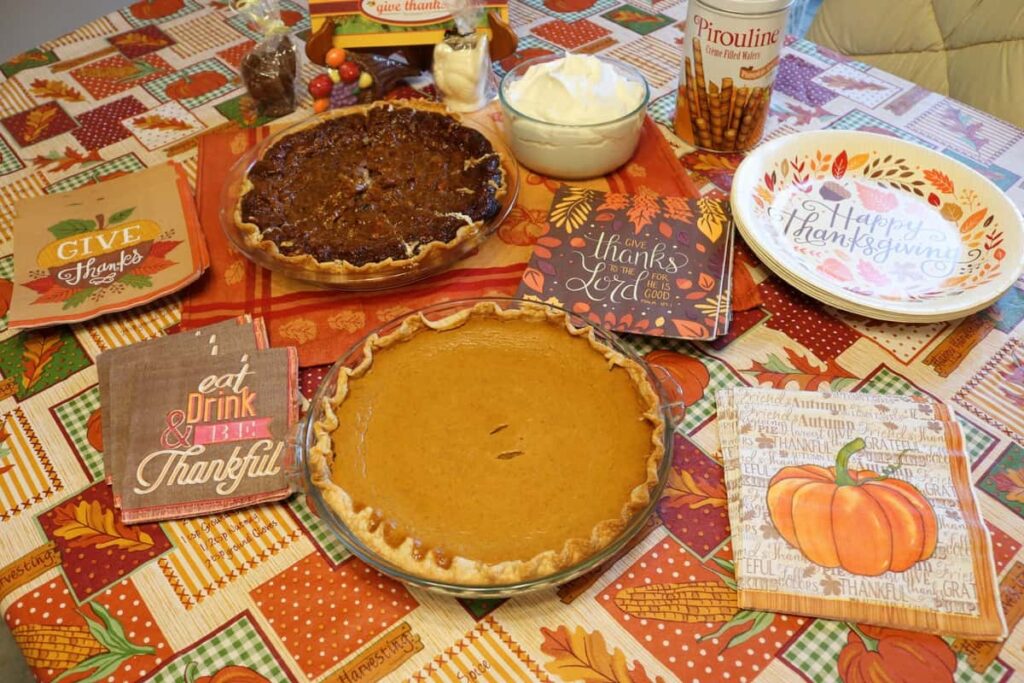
(878,226)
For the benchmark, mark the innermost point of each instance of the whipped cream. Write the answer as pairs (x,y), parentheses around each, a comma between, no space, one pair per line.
(575,90)
(574,117)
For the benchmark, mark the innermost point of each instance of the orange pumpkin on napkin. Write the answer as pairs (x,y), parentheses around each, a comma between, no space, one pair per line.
(863,522)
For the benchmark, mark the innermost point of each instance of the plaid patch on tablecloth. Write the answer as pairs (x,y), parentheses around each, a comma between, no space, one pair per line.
(237,645)
(74,416)
(322,536)
(815,652)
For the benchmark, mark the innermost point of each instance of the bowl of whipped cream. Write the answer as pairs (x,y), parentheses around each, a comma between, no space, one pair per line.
(573,116)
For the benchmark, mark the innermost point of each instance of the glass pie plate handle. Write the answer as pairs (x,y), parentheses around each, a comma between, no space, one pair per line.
(306,439)
(386,278)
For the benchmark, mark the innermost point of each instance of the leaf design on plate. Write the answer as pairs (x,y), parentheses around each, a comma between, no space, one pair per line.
(972,221)
(583,656)
(939,180)
(712,218)
(88,523)
(777,373)
(37,121)
(572,209)
(683,489)
(58,90)
(839,165)
(38,351)
(644,208)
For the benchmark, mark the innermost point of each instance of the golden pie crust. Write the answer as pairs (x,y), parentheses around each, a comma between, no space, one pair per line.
(428,253)
(588,489)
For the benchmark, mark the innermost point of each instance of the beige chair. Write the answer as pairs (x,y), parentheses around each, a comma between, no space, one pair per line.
(971,50)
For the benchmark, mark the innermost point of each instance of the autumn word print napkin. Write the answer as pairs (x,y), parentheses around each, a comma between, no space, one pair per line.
(105,247)
(856,507)
(214,431)
(643,263)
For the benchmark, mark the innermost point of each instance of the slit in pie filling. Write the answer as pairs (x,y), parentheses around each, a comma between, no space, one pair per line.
(378,186)
(491,447)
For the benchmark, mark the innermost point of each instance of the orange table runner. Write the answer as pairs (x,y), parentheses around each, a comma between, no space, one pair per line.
(322,323)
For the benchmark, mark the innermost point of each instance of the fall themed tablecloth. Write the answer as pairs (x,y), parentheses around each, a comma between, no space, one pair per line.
(267,594)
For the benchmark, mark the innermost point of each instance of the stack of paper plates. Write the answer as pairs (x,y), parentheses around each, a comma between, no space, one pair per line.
(878,226)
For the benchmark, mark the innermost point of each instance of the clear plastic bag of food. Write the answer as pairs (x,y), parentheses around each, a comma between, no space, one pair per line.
(271,70)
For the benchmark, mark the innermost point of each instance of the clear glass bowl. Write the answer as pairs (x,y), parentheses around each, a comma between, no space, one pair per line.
(572,151)
(395,276)
(307,438)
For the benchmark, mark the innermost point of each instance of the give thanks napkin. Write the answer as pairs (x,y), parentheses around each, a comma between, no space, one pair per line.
(856,507)
(640,263)
(105,247)
(200,424)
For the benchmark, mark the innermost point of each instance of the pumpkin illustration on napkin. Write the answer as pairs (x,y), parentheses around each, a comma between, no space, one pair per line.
(863,522)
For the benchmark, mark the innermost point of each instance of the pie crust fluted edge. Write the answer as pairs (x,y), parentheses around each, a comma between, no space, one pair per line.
(463,571)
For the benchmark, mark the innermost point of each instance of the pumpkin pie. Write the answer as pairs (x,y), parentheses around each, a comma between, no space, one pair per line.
(368,188)
(489,447)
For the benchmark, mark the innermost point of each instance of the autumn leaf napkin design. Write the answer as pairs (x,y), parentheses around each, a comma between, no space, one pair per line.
(856,507)
(642,263)
(105,247)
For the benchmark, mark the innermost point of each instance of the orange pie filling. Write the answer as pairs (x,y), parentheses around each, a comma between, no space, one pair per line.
(496,449)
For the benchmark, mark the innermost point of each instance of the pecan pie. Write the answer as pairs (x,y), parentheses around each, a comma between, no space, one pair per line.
(491,447)
(371,187)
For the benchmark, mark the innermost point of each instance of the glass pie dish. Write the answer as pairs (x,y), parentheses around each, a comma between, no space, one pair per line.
(307,439)
(388,274)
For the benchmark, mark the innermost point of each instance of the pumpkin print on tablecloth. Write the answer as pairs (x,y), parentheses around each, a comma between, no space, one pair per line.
(195,85)
(229,674)
(863,522)
(874,654)
(155,9)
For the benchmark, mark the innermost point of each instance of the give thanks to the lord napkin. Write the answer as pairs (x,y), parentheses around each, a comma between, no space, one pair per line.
(200,424)
(856,507)
(105,247)
(639,263)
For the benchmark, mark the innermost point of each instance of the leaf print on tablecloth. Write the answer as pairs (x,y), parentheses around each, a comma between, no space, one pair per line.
(68,159)
(583,656)
(572,209)
(157,122)
(5,450)
(90,524)
(38,351)
(1011,483)
(712,218)
(846,83)
(683,489)
(644,208)
(58,90)
(777,373)
(36,123)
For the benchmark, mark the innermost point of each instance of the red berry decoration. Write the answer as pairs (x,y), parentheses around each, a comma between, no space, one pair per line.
(335,57)
(349,72)
(320,87)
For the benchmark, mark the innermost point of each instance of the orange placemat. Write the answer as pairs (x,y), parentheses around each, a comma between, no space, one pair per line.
(323,323)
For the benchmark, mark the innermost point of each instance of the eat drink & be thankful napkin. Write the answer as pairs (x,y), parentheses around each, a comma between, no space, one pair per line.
(856,507)
(198,422)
